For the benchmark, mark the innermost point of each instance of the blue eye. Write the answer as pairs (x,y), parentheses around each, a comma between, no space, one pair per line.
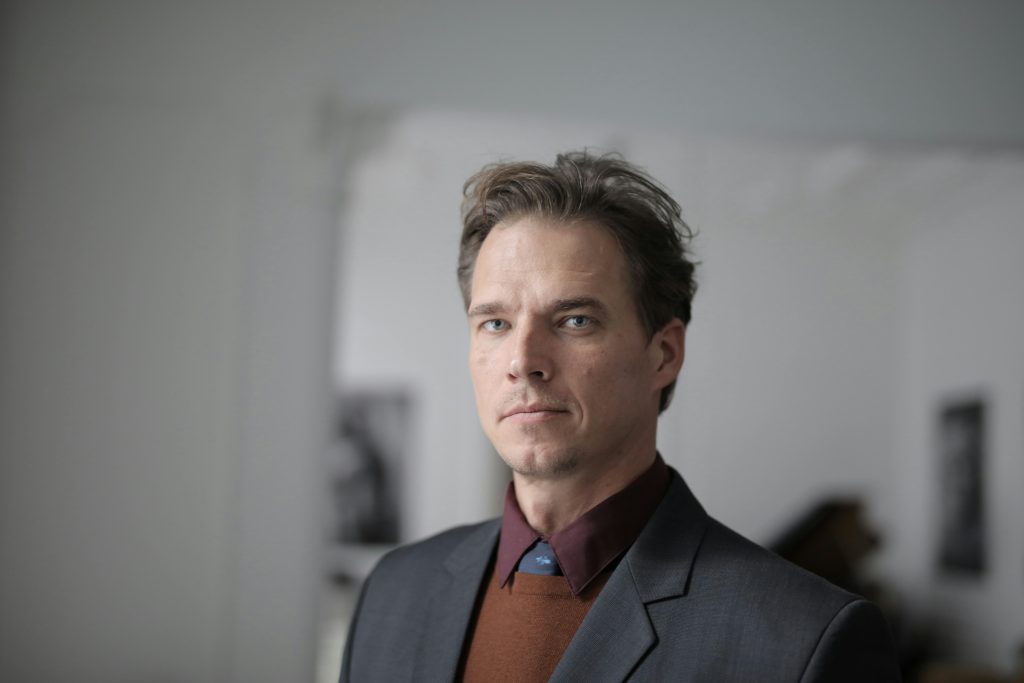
(495,325)
(578,322)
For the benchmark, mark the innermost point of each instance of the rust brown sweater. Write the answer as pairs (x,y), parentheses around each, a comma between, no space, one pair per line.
(519,632)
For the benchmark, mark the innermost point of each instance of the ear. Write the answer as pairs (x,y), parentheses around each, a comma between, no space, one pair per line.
(668,348)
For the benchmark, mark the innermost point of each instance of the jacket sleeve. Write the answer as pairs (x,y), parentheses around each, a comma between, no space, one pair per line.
(856,646)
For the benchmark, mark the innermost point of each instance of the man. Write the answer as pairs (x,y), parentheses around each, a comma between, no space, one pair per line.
(603,567)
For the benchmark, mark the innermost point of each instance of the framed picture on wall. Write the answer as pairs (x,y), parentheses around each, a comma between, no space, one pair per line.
(371,456)
(961,466)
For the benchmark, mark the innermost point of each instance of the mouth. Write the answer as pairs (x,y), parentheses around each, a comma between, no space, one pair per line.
(531,414)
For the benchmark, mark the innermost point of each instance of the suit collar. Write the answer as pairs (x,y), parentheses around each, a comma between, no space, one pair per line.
(618,631)
(662,557)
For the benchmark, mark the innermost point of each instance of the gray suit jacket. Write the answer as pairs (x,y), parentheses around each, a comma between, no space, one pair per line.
(690,601)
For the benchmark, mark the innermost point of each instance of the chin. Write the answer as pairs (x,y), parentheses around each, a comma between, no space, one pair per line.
(540,463)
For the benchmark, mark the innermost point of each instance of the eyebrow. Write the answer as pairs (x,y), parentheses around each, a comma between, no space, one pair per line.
(489,308)
(575,303)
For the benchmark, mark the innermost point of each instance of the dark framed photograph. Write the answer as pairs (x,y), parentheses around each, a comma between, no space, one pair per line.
(370,454)
(961,450)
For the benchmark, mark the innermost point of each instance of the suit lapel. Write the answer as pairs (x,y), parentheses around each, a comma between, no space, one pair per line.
(452,605)
(618,632)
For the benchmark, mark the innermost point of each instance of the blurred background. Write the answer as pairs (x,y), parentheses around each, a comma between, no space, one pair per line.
(232,349)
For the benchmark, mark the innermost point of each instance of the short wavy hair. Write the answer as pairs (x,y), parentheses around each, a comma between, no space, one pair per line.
(635,208)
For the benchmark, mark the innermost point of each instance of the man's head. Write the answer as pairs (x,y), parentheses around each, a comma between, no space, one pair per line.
(606,191)
(577,290)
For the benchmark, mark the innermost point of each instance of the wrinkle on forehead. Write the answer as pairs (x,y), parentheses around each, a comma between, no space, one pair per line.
(521,252)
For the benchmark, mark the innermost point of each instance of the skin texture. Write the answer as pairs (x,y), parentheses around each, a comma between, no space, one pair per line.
(566,381)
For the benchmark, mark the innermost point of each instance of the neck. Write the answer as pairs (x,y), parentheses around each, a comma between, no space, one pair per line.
(551,504)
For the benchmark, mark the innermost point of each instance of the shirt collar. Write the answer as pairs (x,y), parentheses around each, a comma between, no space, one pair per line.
(595,539)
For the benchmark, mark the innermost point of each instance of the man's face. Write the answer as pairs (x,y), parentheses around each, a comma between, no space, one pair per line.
(566,380)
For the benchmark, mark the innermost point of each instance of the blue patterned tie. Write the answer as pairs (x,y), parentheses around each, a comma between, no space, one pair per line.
(539,559)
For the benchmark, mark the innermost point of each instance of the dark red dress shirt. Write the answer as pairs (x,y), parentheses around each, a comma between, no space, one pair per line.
(593,542)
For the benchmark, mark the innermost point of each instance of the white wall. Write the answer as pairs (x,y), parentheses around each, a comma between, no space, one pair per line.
(162,423)
(166,283)
(120,365)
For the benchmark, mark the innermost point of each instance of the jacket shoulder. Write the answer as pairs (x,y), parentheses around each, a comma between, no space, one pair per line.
(394,607)
(750,568)
(775,612)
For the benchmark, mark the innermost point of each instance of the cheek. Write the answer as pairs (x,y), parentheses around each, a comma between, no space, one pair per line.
(612,373)
(483,363)
(479,355)
(599,376)
(484,372)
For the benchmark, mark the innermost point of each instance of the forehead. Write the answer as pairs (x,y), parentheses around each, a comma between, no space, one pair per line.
(532,254)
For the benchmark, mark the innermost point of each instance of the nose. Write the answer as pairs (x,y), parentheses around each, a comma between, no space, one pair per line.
(531,357)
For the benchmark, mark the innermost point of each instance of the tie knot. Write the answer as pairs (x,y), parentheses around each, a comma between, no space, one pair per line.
(539,559)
